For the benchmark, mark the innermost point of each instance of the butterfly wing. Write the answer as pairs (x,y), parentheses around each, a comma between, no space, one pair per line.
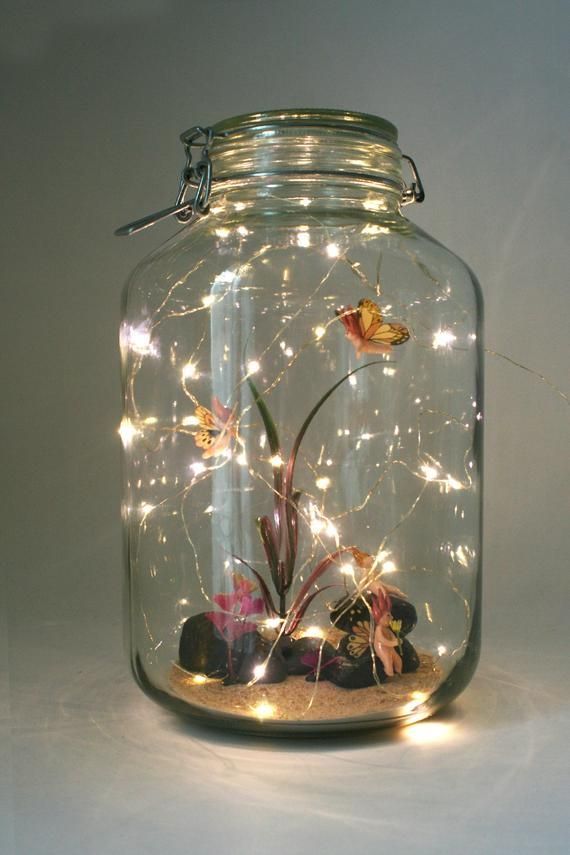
(391,334)
(374,329)
(205,438)
(370,318)
(209,430)
(205,418)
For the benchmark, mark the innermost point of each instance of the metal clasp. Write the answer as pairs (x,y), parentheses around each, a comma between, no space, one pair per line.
(413,192)
(199,177)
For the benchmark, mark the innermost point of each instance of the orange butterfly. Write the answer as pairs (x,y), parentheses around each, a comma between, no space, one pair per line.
(366,330)
(216,428)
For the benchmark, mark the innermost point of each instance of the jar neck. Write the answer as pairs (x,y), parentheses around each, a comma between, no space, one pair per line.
(306,164)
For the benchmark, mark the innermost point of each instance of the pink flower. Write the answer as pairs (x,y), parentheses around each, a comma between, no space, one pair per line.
(235,606)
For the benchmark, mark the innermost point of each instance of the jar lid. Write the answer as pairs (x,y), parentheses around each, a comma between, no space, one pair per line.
(308,117)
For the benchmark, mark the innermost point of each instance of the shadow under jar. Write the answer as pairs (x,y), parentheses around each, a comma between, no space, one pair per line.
(302,432)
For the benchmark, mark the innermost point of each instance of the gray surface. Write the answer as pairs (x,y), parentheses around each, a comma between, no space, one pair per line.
(94,96)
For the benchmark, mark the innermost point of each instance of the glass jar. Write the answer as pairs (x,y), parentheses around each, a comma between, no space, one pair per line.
(302,433)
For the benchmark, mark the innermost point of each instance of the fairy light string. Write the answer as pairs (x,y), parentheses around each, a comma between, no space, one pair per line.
(318,524)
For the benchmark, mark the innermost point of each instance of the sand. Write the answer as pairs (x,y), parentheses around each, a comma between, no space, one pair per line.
(300,701)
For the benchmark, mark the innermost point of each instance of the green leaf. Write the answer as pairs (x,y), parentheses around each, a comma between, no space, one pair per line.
(268,423)
(313,413)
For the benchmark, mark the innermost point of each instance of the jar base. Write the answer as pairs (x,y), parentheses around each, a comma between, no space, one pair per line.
(297,706)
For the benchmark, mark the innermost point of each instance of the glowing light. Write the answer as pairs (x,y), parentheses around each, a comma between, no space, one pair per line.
(259,671)
(226,277)
(253,366)
(207,300)
(222,233)
(332,530)
(151,420)
(303,239)
(239,206)
(420,696)
(304,202)
(389,371)
(190,370)
(139,339)
(241,230)
(313,632)
(389,567)
(209,510)
(441,650)
(352,380)
(332,250)
(241,459)
(455,485)
(272,623)
(323,483)
(319,332)
(198,468)
(276,461)
(428,732)
(146,509)
(365,436)
(462,556)
(320,523)
(127,431)
(347,569)
(430,472)
(263,710)
(190,420)
(443,338)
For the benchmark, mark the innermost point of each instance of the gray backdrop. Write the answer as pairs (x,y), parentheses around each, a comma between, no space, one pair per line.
(94,96)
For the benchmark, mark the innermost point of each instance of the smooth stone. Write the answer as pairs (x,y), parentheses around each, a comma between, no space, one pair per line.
(345,649)
(202,650)
(261,653)
(410,659)
(346,613)
(303,647)
(355,674)
(403,610)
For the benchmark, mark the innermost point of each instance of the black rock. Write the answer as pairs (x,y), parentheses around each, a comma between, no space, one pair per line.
(260,653)
(204,650)
(406,612)
(347,613)
(410,659)
(355,674)
(305,655)
(356,646)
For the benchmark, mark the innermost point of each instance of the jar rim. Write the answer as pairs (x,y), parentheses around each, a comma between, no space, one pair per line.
(308,117)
